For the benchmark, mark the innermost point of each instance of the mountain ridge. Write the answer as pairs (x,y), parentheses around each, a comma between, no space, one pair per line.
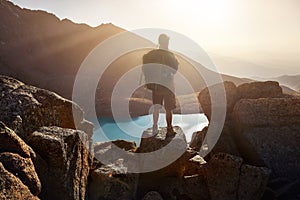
(291,81)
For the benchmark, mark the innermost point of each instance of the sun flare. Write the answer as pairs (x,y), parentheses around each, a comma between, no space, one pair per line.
(215,12)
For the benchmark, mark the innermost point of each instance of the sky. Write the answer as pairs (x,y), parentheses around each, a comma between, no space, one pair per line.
(262,32)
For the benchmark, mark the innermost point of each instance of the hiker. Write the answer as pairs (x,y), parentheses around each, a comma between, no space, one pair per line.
(159,68)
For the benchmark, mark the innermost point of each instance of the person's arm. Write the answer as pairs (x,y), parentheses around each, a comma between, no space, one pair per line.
(175,63)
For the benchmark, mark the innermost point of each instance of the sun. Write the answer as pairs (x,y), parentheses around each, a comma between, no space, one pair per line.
(213,10)
(210,12)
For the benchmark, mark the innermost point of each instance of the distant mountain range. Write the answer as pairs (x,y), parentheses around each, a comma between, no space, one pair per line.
(40,49)
(242,67)
(292,82)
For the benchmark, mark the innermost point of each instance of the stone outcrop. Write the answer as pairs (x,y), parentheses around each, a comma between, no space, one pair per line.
(271,127)
(230,140)
(169,149)
(198,139)
(224,176)
(215,91)
(253,90)
(225,141)
(252,182)
(67,161)
(47,158)
(44,153)
(256,90)
(228,178)
(12,188)
(25,108)
(18,179)
(112,181)
(193,187)
(152,195)
(262,126)
(275,112)
(109,177)
(125,145)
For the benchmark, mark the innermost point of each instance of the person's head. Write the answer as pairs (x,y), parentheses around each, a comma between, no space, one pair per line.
(163,41)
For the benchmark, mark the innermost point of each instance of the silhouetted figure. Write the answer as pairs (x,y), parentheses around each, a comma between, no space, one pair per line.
(159,76)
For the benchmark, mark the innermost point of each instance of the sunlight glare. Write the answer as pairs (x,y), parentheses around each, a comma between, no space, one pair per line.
(210,12)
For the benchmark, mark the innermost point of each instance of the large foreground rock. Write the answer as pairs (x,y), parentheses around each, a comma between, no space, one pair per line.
(166,152)
(192,187)
(60,158)
(228,178)
(262,126)
(226,142)
(169,179)
(67,160)
(12,188)
(26,108)
(272,129)
(211,98)
(108,153)
(110,177)
(113,182)
(229,140)
(18,178)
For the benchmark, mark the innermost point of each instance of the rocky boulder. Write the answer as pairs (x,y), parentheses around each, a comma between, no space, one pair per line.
(192,187)
(11,187)
(169,179)
(111,151)
(229,178)
(215,91)
(255,90)
(198,139)
(125,145)
(271,129)
(213,98)
(167,152)
(60,157)
(18,179)
(112,181)
(110,178)
(252,182)
(67,160)
(152,195)
(274,112)
(228,141)
(27,108)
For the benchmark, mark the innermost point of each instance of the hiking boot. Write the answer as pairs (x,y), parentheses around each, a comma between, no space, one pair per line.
(154,130)
(170,131)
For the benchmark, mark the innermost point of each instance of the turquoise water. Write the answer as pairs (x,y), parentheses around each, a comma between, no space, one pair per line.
(131,130)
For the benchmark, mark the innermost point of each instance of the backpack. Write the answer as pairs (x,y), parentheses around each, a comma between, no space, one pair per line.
(154,68)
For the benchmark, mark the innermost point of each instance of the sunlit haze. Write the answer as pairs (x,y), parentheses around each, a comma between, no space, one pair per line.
(264,33)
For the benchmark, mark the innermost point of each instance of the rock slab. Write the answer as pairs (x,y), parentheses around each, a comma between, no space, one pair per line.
(18,179)
(67,160)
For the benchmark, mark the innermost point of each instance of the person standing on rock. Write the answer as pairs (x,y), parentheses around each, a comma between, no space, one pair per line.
(159,68)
